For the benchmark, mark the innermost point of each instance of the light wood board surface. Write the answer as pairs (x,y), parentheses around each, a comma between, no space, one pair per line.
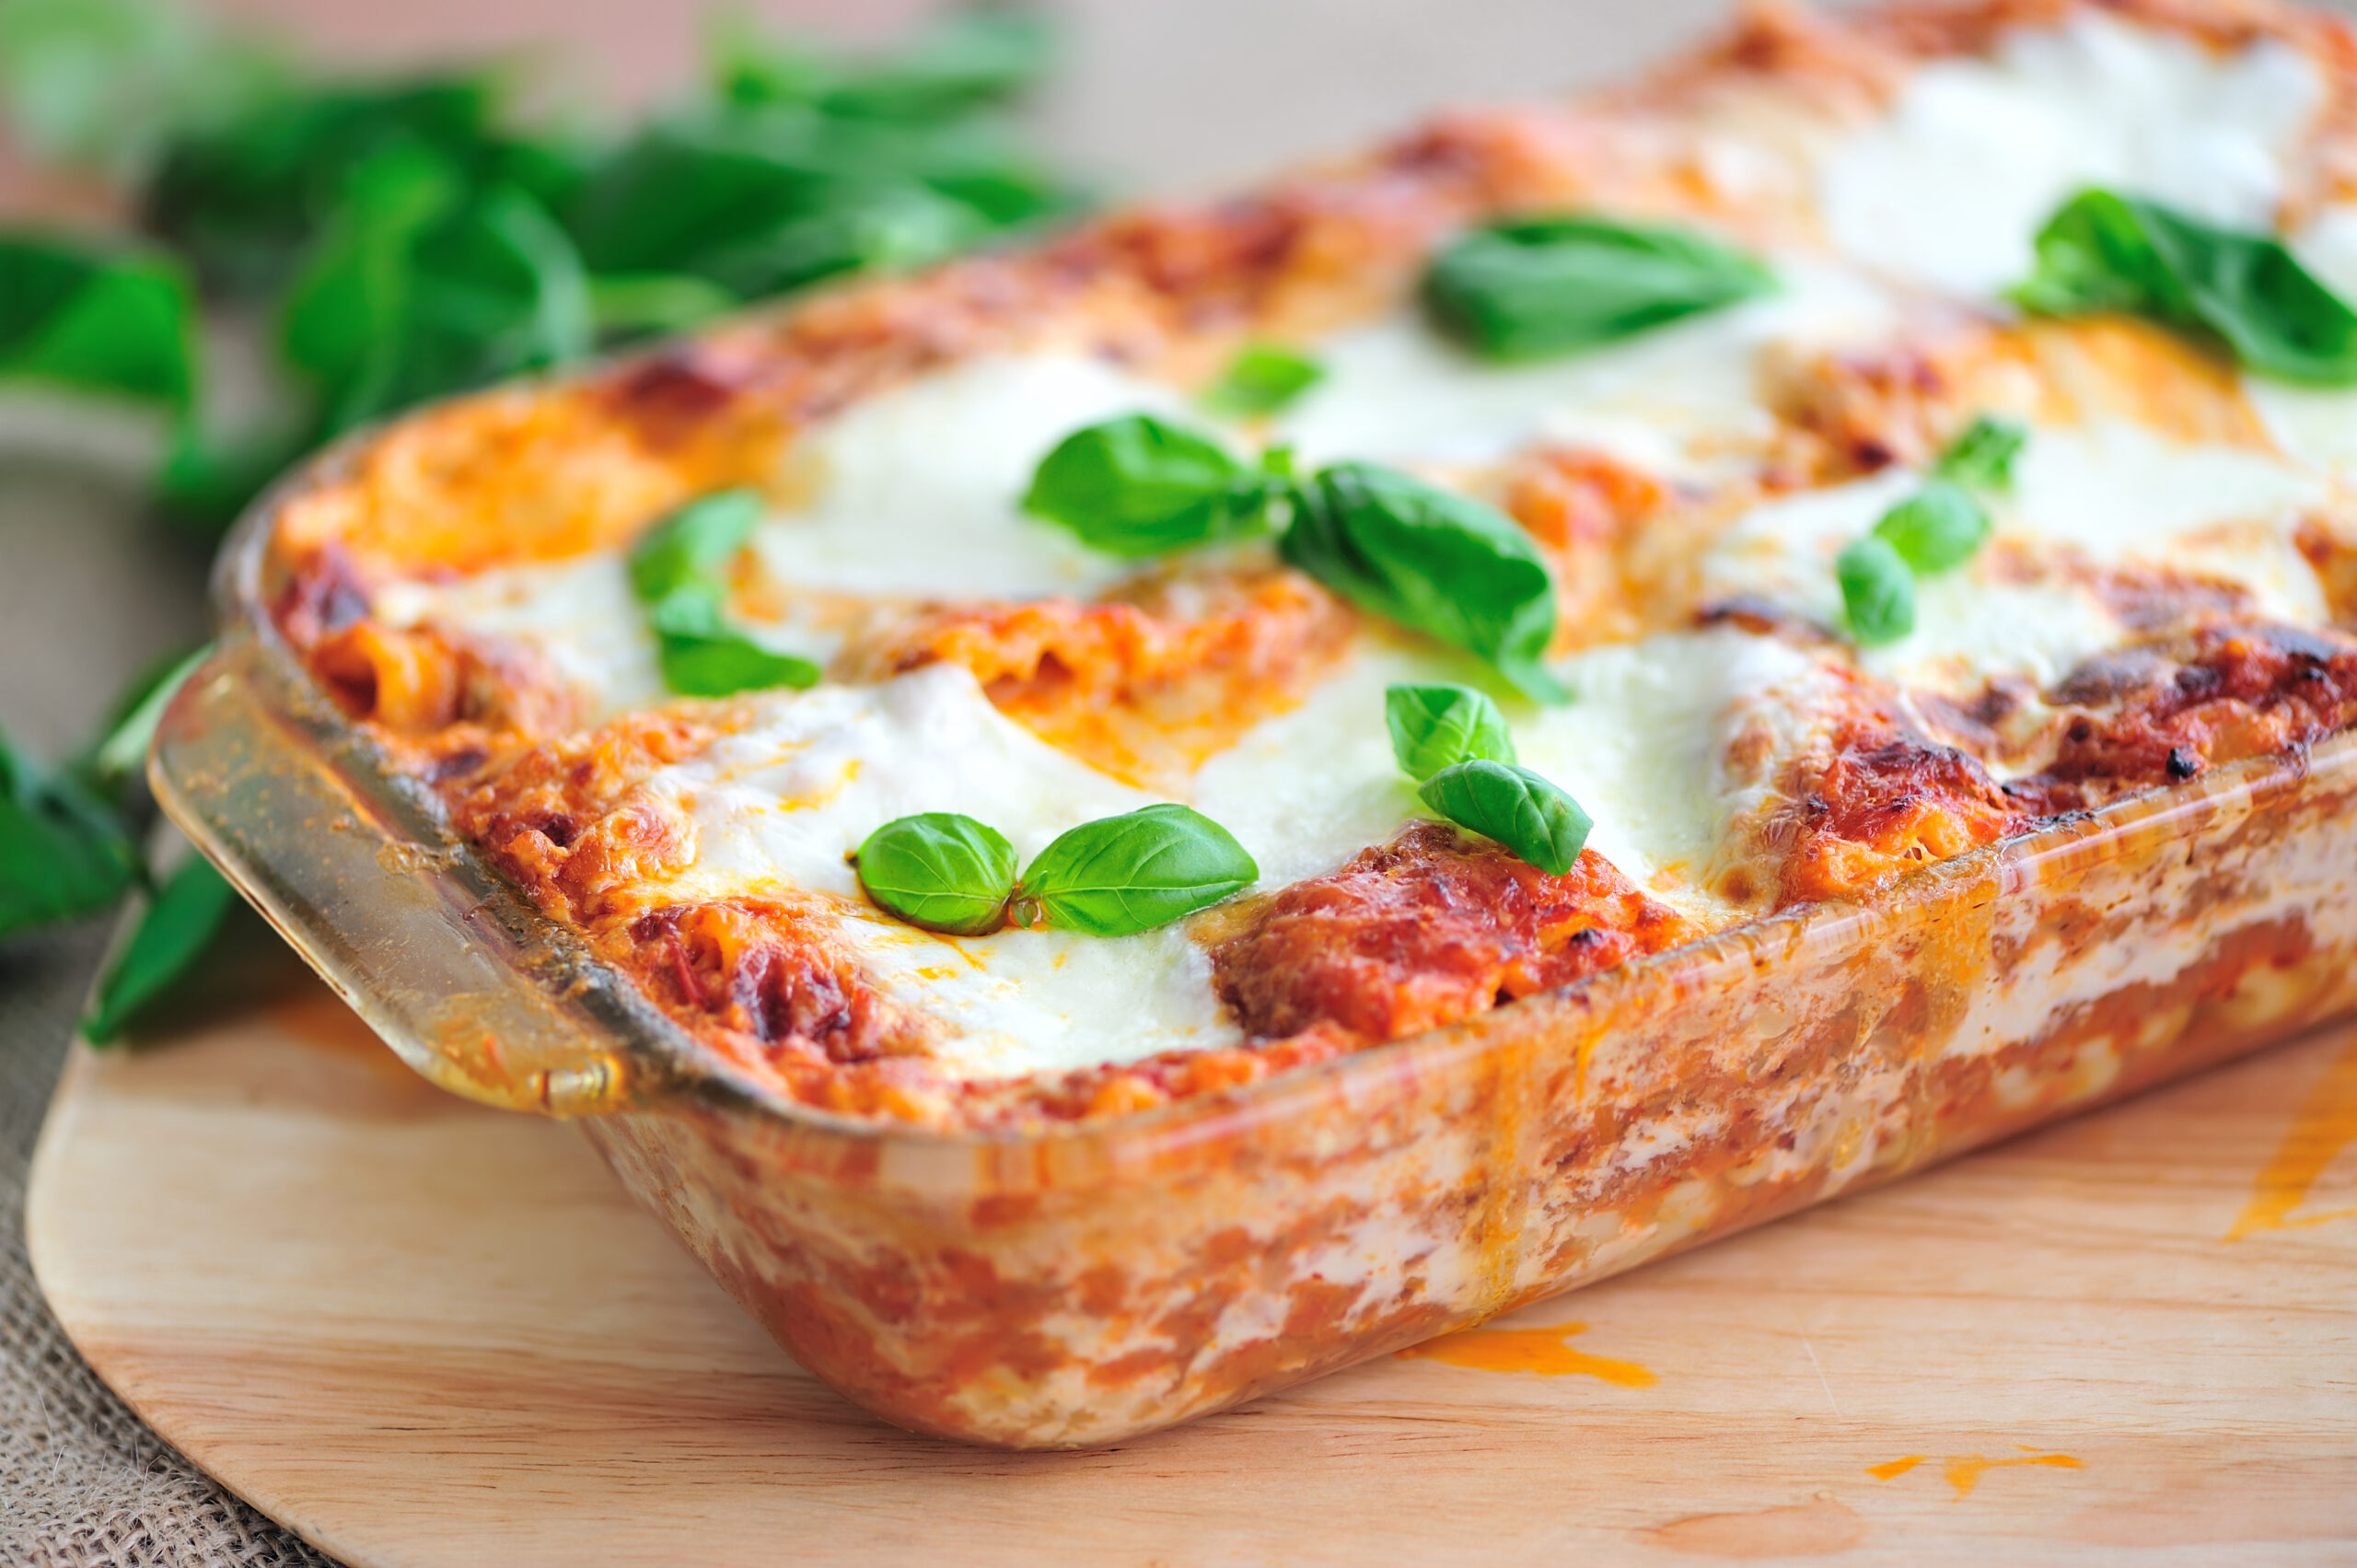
(422,1333)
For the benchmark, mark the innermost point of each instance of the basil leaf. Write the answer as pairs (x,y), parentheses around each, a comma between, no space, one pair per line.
(96,320)
(2102,252)
(939,870)
(1519,808)
(1531,287)
(1439,725)
(692,543)
(1260,379)
(121,755)
(419,288)
(63,854)
(970,61)
(1939,526)
(1435,562)
(1878,590)
(171,936)
(1123,874)
(702,655)
(628,304)
(1982,457)
(1137,487)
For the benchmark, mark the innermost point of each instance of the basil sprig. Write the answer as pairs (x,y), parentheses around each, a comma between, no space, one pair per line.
(1938,528)
(1122,875)
(1438,726)
(120,322)
(1440,562)
(939,870)
(1531,287)
(676,570)
(1523,810)
(174,933)
(1137,486)
(1115,877)
(2102,252)
(63,854)
(1261,379)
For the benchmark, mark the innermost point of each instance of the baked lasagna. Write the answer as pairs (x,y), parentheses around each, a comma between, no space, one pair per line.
(1560,536)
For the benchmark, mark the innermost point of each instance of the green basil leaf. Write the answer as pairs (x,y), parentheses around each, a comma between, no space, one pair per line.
(693,543)
(170,938)
(63,853)
(1939,526)
(2102,252)
(96,318)
(1878,590)
(1123,874)
(1982,457)
(970,61)
(702,655)
(1519,808)
(1434,561)
(208,481)
(100,85)
(121,755)
(939,870)
(1260,379)
(1530,287)
(1438,726)
(630,304)
(1137,487)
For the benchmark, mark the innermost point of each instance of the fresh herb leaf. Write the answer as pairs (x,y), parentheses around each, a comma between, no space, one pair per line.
(627,305)
(120,754)
(1139,487)
(100,84)
(1438,726)
(1261,379)
(420,289)
(171,936)
(94,319)
(1519,808)
(693,543)
(1878,590)
(722,663)
(63,854)
(678,569)
(1436,562)
(2102,252)
(1982,457)
(1939,526)
(939,870)
(1122,875)
(969,62)
(1530,287)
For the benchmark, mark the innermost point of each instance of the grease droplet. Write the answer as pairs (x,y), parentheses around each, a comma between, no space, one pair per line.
(1530,1350)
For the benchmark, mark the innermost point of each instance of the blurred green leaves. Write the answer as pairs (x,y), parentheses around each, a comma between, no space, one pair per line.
(414,237)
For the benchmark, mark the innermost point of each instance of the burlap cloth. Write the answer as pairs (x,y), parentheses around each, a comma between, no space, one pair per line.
(87,595)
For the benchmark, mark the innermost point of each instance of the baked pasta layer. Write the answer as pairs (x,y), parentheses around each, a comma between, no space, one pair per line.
(2164,590)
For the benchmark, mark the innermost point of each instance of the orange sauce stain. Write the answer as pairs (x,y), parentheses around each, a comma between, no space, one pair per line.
(2325,1125)
(1895,1468)
(1965,1471)
(1531,1350)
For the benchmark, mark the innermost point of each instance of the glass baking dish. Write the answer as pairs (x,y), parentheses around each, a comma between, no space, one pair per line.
(1093,1281)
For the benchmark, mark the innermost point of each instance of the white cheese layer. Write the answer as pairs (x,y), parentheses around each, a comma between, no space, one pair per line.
(579,614)
(780,803)
(915,492)
(1949,189)
(1668,400)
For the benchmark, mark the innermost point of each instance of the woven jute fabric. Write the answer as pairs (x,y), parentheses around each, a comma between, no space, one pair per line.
(83,1482)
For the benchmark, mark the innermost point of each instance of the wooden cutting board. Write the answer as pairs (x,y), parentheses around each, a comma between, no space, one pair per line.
(427,1334)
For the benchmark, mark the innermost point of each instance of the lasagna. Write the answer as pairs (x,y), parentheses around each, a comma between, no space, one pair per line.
(1874,546)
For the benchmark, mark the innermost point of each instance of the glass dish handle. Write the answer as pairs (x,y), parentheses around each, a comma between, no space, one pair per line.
(425,942)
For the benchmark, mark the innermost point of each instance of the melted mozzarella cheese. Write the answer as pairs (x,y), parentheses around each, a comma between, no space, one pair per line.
(915,492)
(580,614)
(1667,401)
(780,803)
(1952,186)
